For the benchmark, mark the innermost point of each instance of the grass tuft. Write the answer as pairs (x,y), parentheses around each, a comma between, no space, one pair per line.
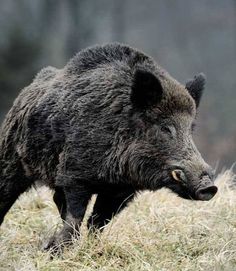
(158,231)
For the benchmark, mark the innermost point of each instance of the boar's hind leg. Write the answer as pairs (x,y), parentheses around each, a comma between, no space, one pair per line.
(76,199)
(12,184)
(107,206)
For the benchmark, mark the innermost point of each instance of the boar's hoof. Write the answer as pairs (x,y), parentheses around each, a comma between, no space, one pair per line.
(53,246)
(56,244)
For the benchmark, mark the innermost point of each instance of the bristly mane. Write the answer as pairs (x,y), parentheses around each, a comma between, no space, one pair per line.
(92,57)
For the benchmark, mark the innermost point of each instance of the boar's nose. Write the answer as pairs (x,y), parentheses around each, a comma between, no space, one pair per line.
(206,193)
(207,189)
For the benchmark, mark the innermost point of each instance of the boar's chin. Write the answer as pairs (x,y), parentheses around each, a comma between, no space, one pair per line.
(181,191)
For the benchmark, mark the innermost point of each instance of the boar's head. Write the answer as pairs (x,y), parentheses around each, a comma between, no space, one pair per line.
(163,153)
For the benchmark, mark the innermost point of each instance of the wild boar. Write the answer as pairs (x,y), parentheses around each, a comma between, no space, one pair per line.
(111,122)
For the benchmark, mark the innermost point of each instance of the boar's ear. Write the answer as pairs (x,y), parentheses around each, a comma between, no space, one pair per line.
(146,89)
(196,86)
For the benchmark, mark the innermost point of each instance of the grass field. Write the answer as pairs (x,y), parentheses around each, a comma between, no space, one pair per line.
(158,231)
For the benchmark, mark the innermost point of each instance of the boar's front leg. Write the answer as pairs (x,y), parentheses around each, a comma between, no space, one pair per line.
(60,201)
(108,205)
(76,199)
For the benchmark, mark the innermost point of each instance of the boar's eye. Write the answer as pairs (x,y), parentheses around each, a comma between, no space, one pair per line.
(193,127)
(168,130)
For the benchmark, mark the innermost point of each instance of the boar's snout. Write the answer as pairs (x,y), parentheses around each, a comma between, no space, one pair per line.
(207,189)
(201,189)
(206,193)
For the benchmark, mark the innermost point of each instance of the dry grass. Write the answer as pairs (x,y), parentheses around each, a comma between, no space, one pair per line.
(158,231)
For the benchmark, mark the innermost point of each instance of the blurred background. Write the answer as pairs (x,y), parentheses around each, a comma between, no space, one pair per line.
(184,37)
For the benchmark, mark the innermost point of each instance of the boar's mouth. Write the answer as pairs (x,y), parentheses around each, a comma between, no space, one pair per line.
(205,190)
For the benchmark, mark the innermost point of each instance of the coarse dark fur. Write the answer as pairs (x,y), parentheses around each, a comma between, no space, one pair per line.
(111,122)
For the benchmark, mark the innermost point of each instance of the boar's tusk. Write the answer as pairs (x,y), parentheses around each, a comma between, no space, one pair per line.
(176,175)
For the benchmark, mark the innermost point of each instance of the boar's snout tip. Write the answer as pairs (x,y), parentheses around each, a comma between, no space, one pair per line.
(206,193)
